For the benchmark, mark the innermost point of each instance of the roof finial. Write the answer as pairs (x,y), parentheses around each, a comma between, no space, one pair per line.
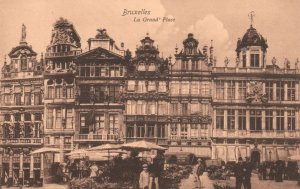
(23,36)
(4,59)
(251,17)
(176,49)
(147,34)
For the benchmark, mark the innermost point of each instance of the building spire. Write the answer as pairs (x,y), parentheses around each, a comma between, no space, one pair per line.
(23,35)
(251,17)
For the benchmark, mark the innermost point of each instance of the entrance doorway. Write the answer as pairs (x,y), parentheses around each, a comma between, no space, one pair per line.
(255,157)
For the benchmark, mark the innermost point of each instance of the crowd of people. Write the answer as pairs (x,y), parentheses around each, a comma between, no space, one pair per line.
(140,173)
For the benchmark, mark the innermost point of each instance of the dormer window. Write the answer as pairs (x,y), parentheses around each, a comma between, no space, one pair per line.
(152,67)
(23,63)
(254,60)
(141,67)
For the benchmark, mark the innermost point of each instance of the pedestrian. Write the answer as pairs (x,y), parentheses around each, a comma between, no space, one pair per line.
(94,168)
(278,171)
(199,172)
(249,167)
(156,169)
(240,172)
(144,180)
(135,168)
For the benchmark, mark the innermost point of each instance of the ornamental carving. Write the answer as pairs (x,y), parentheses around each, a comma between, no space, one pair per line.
(255,93)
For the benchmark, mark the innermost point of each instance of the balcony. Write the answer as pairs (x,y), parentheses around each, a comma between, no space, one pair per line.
(229,70)
(255,134)
(21,141)
(96,137)
(62,54)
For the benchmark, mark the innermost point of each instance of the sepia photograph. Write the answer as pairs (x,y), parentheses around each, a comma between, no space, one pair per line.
(160,94)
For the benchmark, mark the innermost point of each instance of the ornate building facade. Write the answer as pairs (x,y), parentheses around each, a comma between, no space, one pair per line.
(74,99)
(255,105)
(190,99)
(100,81)
(146,95)
(21,112)
(60,86)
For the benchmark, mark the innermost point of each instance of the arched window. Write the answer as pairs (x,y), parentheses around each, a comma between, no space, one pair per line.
(152,67)
(23,62)
(141,67)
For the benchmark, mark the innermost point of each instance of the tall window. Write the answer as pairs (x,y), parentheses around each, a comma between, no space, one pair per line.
(205,88)
(130,131)
(269,90)
(85,70)
(220,89)
(100,93)
(185,88)
(58,92)
(242,119)
(230,90)
(69,118)
(23,63)
(37,98)
(113,123)
(100,71)
(174,109)
(183,131)
(280,91)
(58,120)
(291,120)
(140,108)
(184,110)
(194,131)
(174,129)
(131,85)
(254,60)
(49,119)
(100,124)
(161,131)
(291,90)
(151,67)
(230,119)
(27,98)
(69,92)
(279,120)
(185,65)
(140,131)
(269,120)
(151,108)
(150,130)
(84,129)
(162,86)
(242,90)
(194,65)
(255,120)
(194,88)
(220,119)
(244,61)
(141,67)
(141,86)
(114,93)
(151,86)
(18,98)
(162,108)
(85,93)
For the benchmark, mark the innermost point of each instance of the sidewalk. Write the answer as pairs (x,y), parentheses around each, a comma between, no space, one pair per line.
(190,184)
(47,186)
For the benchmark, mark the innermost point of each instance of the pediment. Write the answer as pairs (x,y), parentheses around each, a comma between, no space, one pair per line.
(15,52)
(99,53)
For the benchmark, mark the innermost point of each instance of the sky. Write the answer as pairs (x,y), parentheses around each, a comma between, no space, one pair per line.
(218,20)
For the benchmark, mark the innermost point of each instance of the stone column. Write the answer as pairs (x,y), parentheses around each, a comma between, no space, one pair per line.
(236,153)
(21,176)
(61,146)
(213,152)
(247,120)
(274,91)
(10,171)
(236,90)
(263,124)
(225,153)
(297,91)
(42,168)
(225,90)
(236,121)
(264,88)
(225,120)
(285,91)
(31,172)
(134,130)
(274,120)
(146,130)
(285,121)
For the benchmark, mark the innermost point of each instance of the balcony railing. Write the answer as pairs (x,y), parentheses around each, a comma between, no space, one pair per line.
(254,70)
(21,141)
(62,54)
(255,134)
(97,137)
